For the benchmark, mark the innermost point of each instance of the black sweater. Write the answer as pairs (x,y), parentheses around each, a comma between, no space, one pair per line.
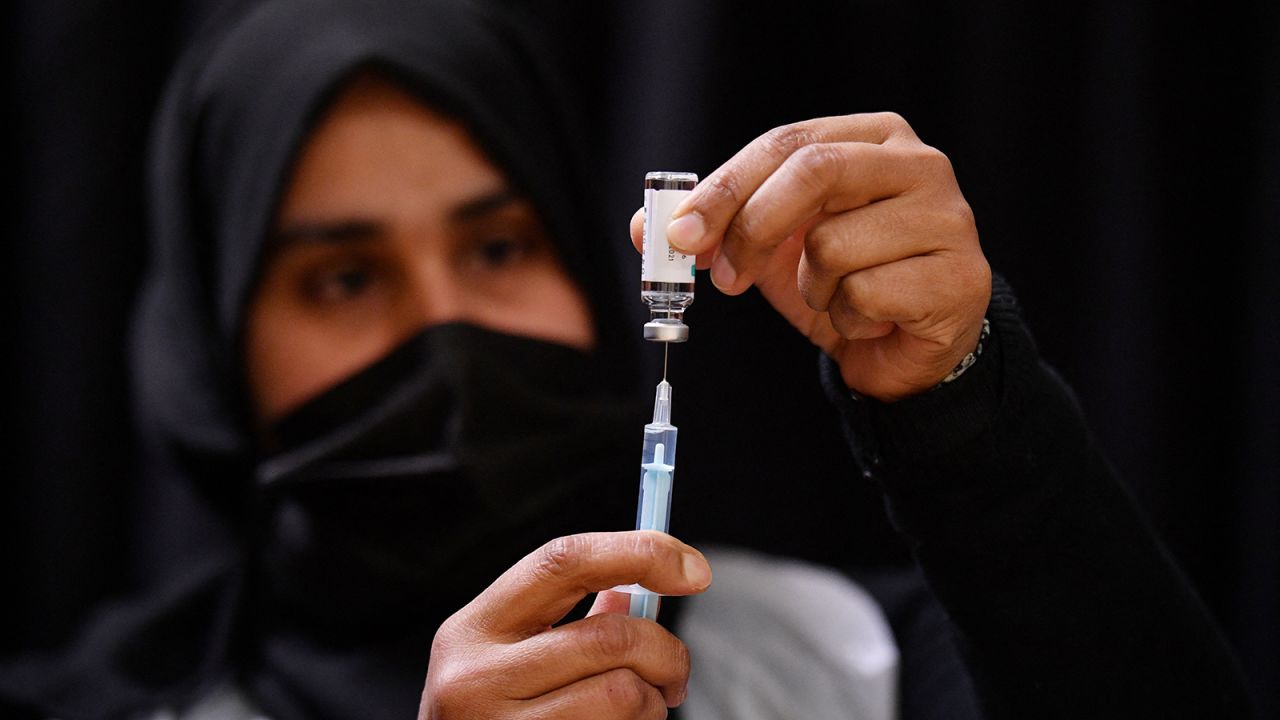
(1062,601)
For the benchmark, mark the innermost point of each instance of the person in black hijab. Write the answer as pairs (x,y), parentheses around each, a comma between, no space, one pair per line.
(304,547)
(370,288)
(381,359)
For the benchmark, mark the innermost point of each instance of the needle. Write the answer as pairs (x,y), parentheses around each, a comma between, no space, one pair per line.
(666,350)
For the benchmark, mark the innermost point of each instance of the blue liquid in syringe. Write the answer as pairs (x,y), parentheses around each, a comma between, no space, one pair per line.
(657,470)
(653,512)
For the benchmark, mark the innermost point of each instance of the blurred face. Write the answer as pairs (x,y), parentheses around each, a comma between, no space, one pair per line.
(394,221)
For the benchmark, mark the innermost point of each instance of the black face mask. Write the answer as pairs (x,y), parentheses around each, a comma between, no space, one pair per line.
(393,499)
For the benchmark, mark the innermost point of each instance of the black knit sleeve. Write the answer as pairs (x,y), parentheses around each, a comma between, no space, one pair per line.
(1064,603)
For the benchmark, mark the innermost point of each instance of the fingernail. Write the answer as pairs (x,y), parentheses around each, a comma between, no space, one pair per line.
(685,232)
(722,272)
(696,571)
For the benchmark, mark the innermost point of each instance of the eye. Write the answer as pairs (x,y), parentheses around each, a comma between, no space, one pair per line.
(339,284)
(500,252)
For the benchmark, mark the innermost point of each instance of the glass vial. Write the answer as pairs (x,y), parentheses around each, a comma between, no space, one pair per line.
(666,275)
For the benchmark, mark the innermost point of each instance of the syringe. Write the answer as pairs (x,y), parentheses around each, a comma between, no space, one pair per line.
(657,470)
(666,286)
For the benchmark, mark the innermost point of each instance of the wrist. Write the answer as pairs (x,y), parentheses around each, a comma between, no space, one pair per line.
(898,394)
(968,360)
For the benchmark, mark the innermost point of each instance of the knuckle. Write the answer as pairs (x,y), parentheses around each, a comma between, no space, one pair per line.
(963,217)
(862,300)
(955,226)
(441,644)
(813,165)
(848,322)
(892,122)
(723,189)
(934,159)
(443,681)
(892,118)
(452,635)
(624,691)
(450,688)
(655,548)
(784,140)
(975,278)
(683,661)
(823,248)
(608,636)
(845,325)
(852,291)
(982,277)
(450,668)
(561,557)
(811,290)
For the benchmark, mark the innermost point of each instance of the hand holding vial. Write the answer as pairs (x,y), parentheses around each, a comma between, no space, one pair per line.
(858,234)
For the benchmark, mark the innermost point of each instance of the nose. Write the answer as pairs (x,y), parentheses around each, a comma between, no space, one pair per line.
(432,296)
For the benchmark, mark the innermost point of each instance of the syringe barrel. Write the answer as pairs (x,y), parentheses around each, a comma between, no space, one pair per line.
(657,474)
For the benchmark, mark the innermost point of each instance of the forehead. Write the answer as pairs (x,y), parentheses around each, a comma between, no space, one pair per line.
(379,151)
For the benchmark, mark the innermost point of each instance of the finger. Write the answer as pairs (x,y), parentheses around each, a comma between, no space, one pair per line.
(637,230)
(541,588)
(702,262)
(610,601)
(878,234)
(700,220)
(615,694)
(853,325)
(592,646)
(824,178)
(927,296)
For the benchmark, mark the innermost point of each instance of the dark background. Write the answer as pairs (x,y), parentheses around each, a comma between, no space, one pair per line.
(1123,162)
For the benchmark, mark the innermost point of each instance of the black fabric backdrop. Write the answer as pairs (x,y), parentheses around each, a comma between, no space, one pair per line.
(1123,162)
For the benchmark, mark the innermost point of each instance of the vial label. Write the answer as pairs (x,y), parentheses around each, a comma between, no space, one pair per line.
(660,262)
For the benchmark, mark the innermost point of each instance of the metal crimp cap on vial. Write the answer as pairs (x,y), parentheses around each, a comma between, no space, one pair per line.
(666,330)
(669,180)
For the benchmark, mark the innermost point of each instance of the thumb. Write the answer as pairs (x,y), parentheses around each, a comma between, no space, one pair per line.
(637,229)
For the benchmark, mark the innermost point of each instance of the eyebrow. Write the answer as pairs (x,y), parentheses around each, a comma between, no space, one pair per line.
(357,229)
(324,233)
(485,204)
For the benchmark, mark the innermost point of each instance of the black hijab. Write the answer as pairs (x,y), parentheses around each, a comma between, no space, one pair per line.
(237,111)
